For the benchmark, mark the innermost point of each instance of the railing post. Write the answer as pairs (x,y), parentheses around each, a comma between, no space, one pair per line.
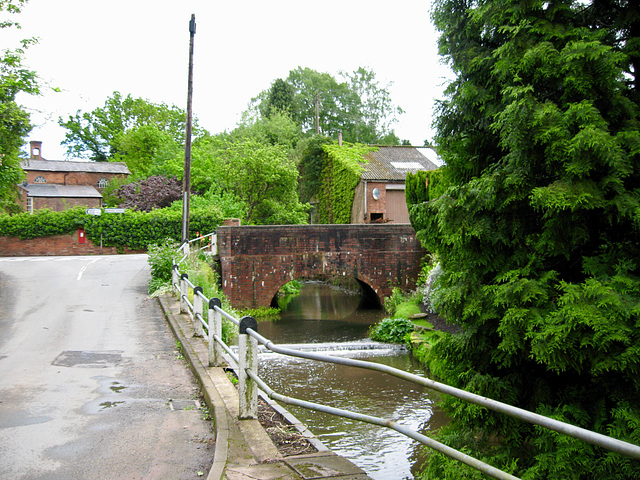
(184,293)
(215,327)
(248,360)
(197,310)
(174,278)
(214,244)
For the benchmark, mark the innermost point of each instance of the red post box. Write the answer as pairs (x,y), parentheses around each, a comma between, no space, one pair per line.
(81,236)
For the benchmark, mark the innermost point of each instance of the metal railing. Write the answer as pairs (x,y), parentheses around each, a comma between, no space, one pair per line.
(249,382)
(211,245)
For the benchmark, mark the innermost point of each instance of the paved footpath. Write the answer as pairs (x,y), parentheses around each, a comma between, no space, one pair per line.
(244,451)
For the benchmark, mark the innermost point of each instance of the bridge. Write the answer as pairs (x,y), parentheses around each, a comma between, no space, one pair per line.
(256,261)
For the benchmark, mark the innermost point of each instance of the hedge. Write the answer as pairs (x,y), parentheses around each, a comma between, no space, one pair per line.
(135,230)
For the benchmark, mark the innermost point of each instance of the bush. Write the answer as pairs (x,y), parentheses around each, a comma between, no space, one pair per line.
(392,301)
(391,330)
(161,259)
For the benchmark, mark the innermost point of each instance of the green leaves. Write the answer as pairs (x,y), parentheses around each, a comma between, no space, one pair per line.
(355,105)
(391,330)
(340,176)
(537,226)
(266,179)
(105,132)
(135,230)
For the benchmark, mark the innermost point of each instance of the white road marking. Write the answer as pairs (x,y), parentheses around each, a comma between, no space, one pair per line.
(82,270)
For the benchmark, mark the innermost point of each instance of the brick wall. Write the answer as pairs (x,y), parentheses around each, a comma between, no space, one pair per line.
(257,260)
(56,245)
(59,204)
(70,178)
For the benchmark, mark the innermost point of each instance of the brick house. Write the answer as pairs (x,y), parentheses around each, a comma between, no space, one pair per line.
(60,185)
(380,195)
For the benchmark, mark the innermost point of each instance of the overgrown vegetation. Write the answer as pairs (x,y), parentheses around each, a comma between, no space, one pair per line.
(199,270)
(537,232)
(391,330)
(340,176)
(16,80)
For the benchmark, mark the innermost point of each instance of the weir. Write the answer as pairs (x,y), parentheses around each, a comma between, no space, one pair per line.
(342,347)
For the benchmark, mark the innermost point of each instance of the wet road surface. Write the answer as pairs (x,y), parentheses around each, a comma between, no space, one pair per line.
(91,382)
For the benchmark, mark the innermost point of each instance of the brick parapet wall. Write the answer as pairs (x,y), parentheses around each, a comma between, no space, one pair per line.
(55,245)
(257,260)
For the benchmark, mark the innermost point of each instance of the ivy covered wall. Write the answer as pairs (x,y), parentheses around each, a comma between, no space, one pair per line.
(340,176)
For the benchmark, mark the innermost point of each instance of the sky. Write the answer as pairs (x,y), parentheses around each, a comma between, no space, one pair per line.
(89,49)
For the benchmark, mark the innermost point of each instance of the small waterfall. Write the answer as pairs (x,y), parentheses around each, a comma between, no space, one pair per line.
(342,347)
(338,348)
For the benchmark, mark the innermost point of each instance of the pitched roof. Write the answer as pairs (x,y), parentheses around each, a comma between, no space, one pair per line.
(64,166)
(393,162)
(64,191)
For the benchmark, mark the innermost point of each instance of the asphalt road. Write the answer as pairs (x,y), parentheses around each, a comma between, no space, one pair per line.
(91,382)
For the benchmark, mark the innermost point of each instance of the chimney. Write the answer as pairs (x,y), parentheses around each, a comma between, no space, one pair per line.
(36,150)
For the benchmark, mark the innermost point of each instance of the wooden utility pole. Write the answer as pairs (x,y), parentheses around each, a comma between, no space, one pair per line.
(186,181)
(317,113)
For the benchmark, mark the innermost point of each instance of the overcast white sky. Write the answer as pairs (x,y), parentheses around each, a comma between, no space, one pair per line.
(89,49)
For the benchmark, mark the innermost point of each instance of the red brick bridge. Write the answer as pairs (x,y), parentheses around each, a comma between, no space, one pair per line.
(256,261)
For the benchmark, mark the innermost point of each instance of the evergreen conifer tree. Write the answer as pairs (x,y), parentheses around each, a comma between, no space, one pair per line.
(538,231)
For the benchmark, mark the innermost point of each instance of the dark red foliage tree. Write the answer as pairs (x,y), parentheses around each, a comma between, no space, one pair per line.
(153,192)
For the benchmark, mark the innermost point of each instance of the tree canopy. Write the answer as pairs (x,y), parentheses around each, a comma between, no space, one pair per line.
(538,230)
(259,163)
(358,106)
(15,123)
(101,135)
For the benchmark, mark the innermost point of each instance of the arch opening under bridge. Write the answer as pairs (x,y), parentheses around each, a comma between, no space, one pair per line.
(369,299)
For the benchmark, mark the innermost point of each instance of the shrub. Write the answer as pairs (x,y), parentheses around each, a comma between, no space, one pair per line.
(161,259)
(391,330)
(392,301)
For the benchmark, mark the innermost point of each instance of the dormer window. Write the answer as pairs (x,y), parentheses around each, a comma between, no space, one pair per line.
(103,182)
(40,179)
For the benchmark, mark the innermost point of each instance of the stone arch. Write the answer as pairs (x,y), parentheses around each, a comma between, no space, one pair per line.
(257,260)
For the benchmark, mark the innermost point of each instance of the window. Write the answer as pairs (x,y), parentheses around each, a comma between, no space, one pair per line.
(29,204)
(102,183)
(40,179)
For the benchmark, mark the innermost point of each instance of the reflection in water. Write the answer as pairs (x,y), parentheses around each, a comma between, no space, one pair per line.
(383,453)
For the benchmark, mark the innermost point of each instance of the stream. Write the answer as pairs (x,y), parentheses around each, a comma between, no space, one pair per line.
(330,319)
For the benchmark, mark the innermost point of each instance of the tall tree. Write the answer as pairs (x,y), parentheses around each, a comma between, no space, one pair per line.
(96,135)
(538,233)
(146,149)
(279,99)
(356,105)
(15,123)
(266,179)
(375,111)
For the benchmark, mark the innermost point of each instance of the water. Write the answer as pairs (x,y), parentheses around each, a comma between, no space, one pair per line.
(327,318)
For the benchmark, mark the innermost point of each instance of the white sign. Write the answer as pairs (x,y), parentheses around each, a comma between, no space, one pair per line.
(114,210)
(94,211)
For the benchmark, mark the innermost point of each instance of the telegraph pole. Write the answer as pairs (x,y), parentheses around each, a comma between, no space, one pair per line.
(186,181)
